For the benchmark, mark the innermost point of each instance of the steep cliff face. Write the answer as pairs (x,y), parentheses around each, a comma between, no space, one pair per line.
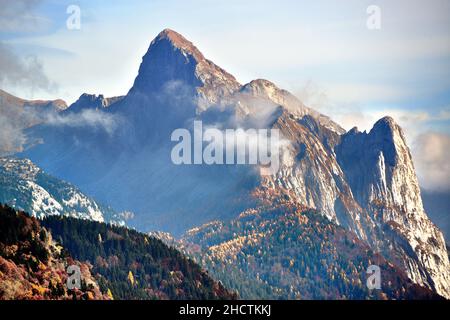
(365,182)
(385,160)
(311,176)
(379,169)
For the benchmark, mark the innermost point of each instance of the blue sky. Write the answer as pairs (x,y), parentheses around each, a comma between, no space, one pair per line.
(321,50)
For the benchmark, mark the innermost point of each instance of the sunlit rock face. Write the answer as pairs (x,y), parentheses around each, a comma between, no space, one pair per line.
(380,172)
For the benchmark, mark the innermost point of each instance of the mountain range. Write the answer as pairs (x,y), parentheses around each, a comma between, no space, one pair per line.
(118,150)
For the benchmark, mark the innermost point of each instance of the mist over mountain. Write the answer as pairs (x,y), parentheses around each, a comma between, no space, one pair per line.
(17,114)
(118,150)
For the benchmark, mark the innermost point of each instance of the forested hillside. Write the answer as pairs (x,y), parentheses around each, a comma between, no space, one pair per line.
(115,262)
(133,265)
(283,252)
(33,267)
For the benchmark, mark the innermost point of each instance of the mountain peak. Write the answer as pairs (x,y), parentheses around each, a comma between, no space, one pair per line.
(386,121)
(172,36)
(387,127)
(179,42)
(259,85)
(171,58)
(167,32)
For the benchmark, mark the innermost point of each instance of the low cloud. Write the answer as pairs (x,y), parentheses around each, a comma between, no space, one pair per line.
(86,118)
(12,137)
(13,125)
(14,119)
(16,70)
(432,154)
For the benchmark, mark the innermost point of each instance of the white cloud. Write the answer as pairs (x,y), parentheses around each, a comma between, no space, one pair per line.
(432,155)
(26,73)
(12,136)
(86,118)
